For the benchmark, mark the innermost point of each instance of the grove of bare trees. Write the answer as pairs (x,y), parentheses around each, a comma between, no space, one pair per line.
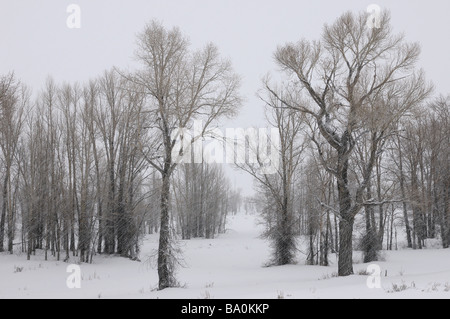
(377,144)
(90,168)
(83,165)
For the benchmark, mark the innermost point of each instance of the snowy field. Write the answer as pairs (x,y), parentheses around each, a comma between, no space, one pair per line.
(229,267)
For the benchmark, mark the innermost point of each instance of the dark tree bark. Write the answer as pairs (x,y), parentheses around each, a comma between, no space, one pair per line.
(345,262)
(403,193)
(165,253)
(4,209)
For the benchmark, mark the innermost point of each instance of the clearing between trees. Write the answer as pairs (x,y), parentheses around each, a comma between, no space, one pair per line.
(230,267)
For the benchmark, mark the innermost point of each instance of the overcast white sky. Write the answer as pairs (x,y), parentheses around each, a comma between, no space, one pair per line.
(35,41)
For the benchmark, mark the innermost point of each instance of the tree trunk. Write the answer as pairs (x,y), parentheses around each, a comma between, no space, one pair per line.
(165,262)
(345,263)
(403,192)
(109,225)
(446,210)
(392,227)
(4,209)
(99,198)
(347,219)
(336,234)
(380,207)
(310,260)
(417,213)
(346,246)
(122,225)
(327,241)
(370,240)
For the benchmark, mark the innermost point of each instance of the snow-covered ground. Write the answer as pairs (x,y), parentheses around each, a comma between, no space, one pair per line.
(229,267)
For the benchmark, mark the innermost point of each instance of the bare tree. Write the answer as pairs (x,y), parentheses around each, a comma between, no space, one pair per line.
(180,86)
(279,211)
(345,82)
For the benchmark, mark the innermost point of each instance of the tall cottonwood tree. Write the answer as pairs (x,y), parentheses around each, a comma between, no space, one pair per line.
(345,82)
(181,86)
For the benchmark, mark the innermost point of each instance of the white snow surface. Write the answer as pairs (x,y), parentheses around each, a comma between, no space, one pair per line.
(231,266)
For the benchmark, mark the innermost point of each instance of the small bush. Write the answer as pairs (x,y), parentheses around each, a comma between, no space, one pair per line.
(363,272)
(436,287)
(329,276)
(401,287)
(17,269)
